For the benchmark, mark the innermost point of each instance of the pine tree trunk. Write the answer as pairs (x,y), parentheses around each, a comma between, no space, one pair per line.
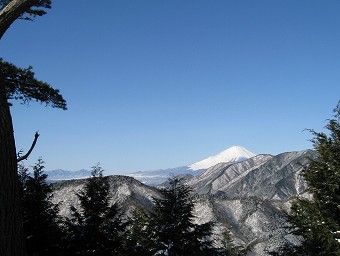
(11,227)
(12,11)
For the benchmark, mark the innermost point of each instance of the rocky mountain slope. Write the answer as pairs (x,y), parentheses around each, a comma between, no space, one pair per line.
(263,176)
(246,196)
(250,196)
(126,191)
(231,155)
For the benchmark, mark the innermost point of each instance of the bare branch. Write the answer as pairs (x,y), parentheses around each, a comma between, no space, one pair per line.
(31,149)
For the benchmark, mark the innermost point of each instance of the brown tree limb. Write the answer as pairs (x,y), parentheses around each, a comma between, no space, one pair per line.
(31,149)
(12,11)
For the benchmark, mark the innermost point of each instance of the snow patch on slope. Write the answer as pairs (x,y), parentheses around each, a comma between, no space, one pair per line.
(233,154)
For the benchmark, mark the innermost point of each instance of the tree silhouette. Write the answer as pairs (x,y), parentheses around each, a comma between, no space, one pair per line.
(139,236)
(16,83)
(41,221)
(317,221)
(172,222)
(97,227)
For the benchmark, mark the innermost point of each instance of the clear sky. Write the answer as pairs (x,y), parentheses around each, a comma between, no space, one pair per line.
(157,84)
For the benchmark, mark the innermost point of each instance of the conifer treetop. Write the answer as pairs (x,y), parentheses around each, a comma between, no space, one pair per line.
(21,84)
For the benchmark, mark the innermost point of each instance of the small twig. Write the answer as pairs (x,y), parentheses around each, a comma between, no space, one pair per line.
(30,150)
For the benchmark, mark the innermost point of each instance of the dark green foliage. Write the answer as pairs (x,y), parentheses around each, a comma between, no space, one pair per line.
(317,221)
(289,250)
(97,228)
(170,228)
(139,239)
(172,224)
(229,248)
(36,10)
(41,221)
(20,84)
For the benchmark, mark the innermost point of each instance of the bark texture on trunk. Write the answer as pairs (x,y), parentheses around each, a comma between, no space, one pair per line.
(13,11)
(11,227)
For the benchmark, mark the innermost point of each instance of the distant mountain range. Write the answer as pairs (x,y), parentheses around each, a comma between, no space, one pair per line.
(248,196)
(231,155)
(156,177)
(60,174)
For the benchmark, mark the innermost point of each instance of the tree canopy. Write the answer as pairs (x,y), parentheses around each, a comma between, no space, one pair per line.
(317,220)
(41,221)
(173,227)
(21,84)
(97,227)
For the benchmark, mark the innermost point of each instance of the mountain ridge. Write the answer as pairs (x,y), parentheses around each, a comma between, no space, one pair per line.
(232,154)
(254,175)
(249,197)
(156,177)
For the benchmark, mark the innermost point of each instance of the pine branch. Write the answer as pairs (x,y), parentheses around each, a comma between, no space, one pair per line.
(31,149)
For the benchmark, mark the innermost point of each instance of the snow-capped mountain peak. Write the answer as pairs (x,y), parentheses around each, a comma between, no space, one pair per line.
(233,154)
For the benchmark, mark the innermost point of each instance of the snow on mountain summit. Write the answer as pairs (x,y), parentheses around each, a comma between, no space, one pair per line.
(233,154)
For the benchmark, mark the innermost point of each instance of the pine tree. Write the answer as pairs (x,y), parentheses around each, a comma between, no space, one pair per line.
(317,221)
(139,233)
(173,229)
(18,84)
(96,228)
(229,248)
(41,220)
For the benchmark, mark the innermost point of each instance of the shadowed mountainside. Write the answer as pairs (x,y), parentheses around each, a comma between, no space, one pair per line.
(247,196)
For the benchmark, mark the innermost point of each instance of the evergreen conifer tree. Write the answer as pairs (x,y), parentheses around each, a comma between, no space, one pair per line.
(317,221)
(96,228)
(229,248)
(41,220)
(16,83)
(139,234)
(174,232)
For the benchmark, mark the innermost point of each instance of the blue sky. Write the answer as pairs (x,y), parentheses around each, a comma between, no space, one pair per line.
(157,84)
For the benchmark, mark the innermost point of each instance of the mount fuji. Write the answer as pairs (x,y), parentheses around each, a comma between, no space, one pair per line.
(231,155)
(155,177)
